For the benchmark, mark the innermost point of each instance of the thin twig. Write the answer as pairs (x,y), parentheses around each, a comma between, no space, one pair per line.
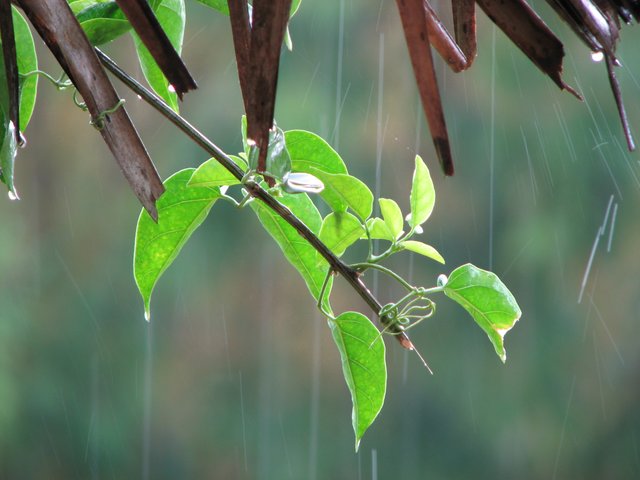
(351,275)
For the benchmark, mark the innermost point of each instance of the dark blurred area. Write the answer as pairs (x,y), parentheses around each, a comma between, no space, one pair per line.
(236,375)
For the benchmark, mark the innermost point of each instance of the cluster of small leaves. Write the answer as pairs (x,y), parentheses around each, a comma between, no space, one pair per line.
(191,193)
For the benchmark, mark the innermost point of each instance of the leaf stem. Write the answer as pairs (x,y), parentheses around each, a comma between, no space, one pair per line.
(364,265)
(350,274)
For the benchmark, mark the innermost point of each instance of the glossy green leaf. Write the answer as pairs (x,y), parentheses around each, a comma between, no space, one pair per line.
(212,174)
(296,249)
(422,249)
(171,15)
(423,195)
(295,5)
(340,230)
(278,161)
(487,299)
(221,6)
(343,191)
(78,5)
(379,230)
(27,62)
(102,21)
(362,353)
(287,39)
(307,150)
(392,216)
(243,130)
(8,152)
(181,210)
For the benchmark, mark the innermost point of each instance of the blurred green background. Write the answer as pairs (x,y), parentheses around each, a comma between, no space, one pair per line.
(237,376)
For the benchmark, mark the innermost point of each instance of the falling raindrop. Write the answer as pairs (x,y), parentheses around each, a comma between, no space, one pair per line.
(597,56)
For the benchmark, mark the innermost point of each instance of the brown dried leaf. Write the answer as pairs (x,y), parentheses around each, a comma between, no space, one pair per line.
(241,33)
(464,26)
(414,23)
(525,28)
(269,22)
(146,25)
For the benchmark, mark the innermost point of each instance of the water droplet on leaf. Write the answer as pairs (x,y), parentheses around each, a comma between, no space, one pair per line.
(13,195)
(597,56)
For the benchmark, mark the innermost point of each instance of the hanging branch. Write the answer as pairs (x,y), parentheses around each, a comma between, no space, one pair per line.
(351,275)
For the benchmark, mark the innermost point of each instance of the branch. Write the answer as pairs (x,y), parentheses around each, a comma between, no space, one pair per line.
(351,275)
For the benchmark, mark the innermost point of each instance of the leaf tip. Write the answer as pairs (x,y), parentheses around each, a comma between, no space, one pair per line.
(147,314)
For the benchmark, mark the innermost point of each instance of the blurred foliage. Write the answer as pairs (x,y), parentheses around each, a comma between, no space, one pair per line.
(245,382)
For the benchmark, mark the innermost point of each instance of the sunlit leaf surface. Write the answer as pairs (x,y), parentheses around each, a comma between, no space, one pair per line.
(181,210)
(487,299)
(362,353)
(392,216)
(422,249)
(340,230)
(296,249)
(213,174)
(423,195)
(308,150)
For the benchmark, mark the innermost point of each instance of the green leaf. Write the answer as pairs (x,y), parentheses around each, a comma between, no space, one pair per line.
(8,152)
(296,249)
(212,174)
(339,231)
(27,62)
(487,299)
(220,5)
(392,216)
(307,150)
(287,39)
(422,249)
(379,230)
(423,195)
(171,15)
(102,21)
(181,210)
(362,353)
(343,191)
(278,161)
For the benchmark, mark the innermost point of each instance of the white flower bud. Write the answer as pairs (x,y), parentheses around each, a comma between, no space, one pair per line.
(297,182)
